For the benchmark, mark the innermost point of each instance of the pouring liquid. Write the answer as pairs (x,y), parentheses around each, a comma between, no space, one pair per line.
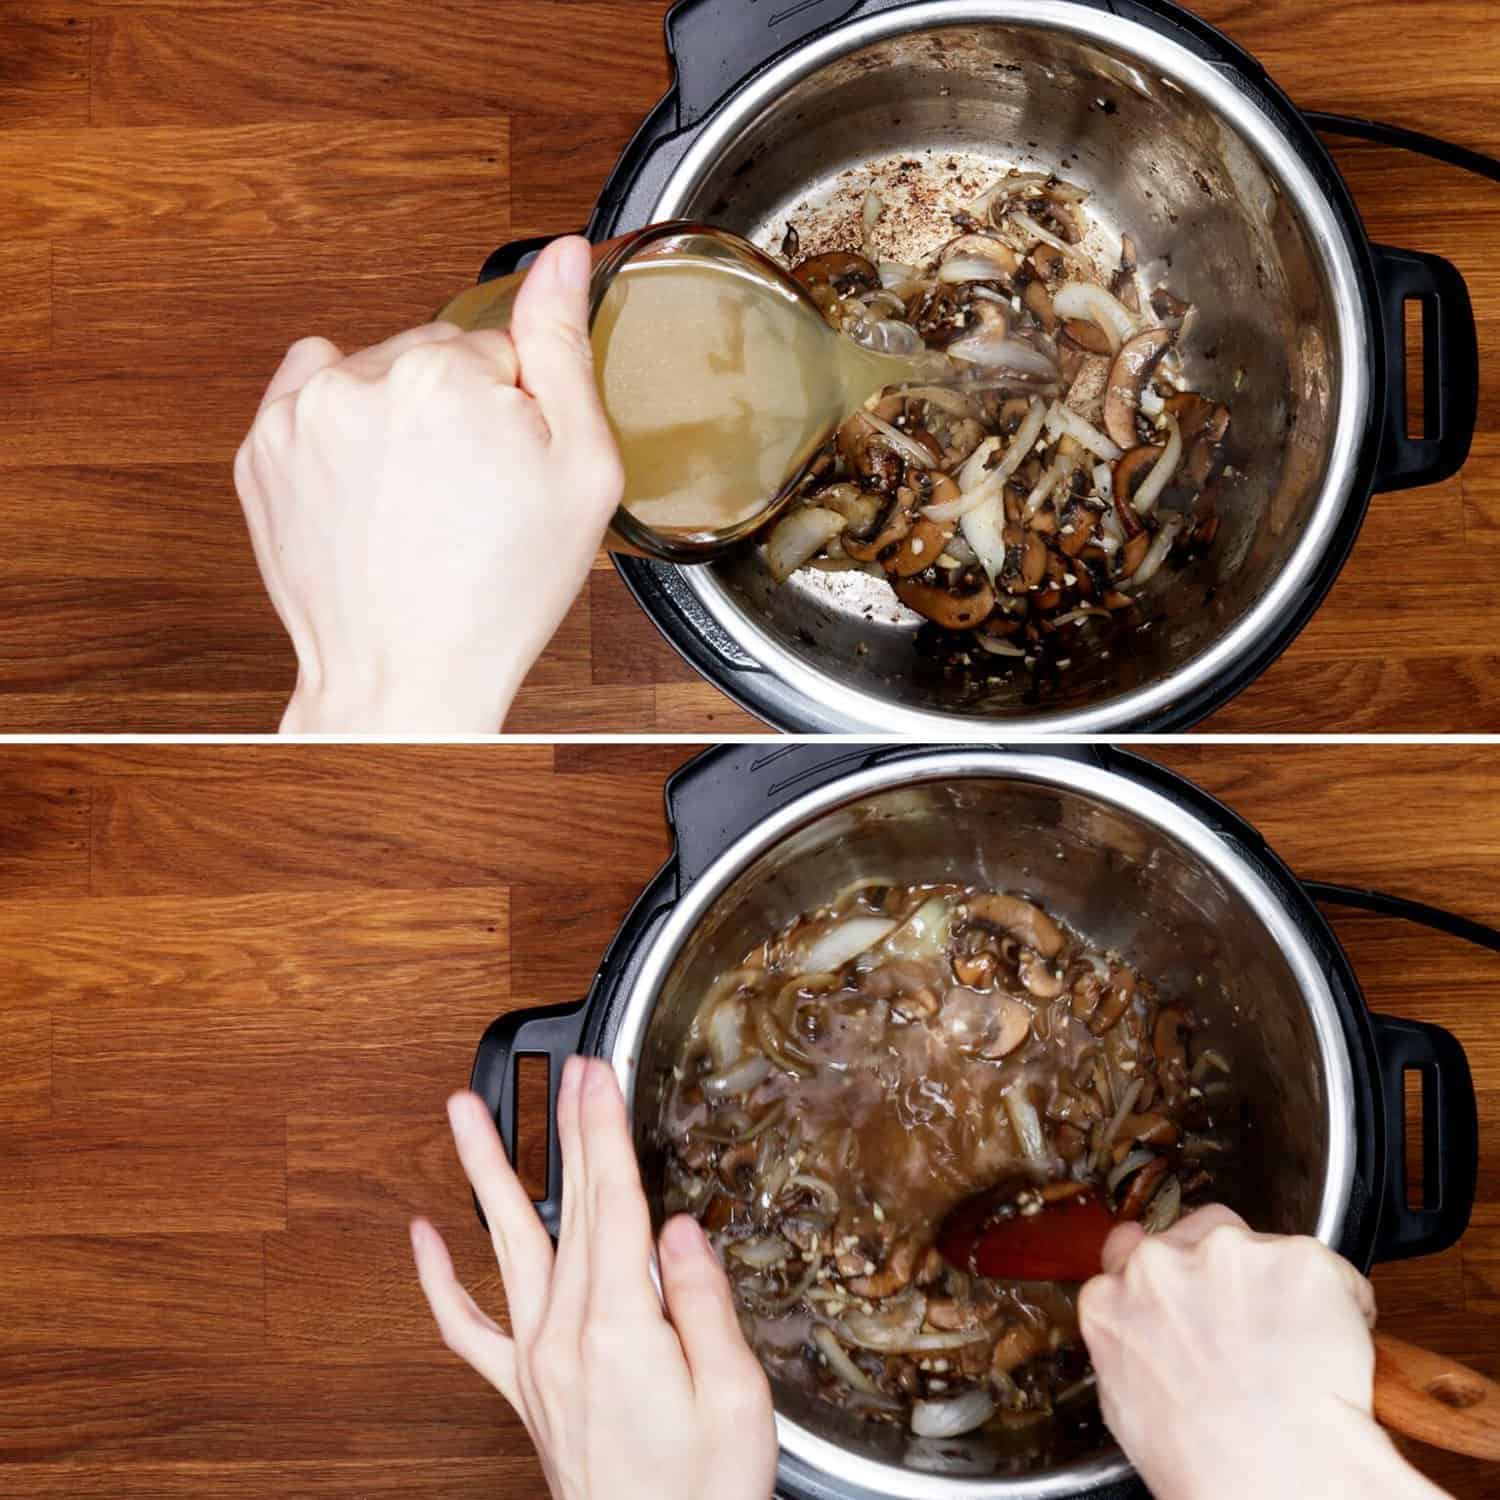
(721,380)
(721,383)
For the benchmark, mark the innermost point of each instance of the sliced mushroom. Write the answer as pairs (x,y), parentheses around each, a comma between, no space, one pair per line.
(1040,980)
(1019,1343)
(844,271)
(952,1315)
(921,547)
(1165,305)
(1127,378)
(1090,335)
(897,1272)
(860,508)
(1012,1025)
(1038,302)
(982,247)
(1131,468)
(951,609)
(868,453)
(1142,1187)
(1203,425)
(1133,553)
(898,522)
(976,970)
(1114,1002)
(1150,1129)
(1027,923)
(1051,265)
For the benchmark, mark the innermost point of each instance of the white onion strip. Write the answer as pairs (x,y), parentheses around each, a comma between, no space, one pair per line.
(1156,553)
(798,536)
(1030,225)
(899,440)
(1162,470)
(1063,419)
(1089,302)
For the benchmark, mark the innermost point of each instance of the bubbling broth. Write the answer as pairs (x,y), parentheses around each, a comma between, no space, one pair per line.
(721,383)
(878,1061)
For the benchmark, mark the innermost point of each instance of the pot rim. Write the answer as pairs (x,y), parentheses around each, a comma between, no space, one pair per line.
(818,697)
(1130,796)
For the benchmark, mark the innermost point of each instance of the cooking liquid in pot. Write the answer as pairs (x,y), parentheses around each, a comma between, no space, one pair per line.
(721,383)
(871,1066)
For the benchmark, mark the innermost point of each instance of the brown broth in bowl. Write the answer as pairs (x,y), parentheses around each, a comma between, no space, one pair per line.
(880,1060)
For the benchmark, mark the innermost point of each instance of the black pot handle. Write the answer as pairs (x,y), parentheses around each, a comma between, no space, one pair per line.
(553,1032)
(1450,368)
(518,255)
(1450,1118)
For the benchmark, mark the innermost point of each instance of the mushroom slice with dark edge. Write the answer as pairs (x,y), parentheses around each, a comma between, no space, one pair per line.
(1203,424)
(844,271)
(1025,922)
(1127,378)
(951,609)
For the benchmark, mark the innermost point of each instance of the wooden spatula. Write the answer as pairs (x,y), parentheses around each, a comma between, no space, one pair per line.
(1417,1393)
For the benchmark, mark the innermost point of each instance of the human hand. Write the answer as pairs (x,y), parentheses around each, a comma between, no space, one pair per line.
(623,1401)
(425,512)
(1233,1364)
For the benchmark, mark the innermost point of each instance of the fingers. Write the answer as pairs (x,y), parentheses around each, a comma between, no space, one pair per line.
(371,363)
(550,327)
(619,1223)
(522,1248)
(570,1279)
(701,1307)
(301,362)
(1120,1246)
(466,1330)
(1364,1294)
(1199,1224)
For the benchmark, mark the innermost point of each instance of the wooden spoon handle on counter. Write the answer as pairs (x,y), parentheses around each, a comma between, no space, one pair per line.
(1436,1400)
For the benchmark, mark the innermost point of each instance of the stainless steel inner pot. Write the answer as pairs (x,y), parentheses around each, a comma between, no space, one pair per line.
(1221,207)
(1126,867)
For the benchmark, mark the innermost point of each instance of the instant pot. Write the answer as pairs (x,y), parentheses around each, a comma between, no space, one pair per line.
(1186,144)
(1131,855)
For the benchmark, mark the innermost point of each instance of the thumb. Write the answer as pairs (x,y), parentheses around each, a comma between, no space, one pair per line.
(550,329)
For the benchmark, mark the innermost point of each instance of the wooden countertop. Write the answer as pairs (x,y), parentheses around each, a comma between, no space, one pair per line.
(239,982)
(187,188)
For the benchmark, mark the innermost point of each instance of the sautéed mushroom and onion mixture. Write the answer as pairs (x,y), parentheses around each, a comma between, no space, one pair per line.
(883,1058)
(1022,505)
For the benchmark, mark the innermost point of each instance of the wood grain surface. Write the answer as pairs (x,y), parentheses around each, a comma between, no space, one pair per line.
(237,983)
(186,186)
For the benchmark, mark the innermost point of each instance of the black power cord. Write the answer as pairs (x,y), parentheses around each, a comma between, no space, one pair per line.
(1410,911)
(1409,140)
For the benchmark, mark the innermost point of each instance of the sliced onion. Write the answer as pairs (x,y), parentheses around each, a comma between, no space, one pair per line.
(982,531)
(827,1194)
(798,536)
(920,1343)
(1030,225)
(1073,616)
(924,934)
(834,948)
(1058,472)
(1063,419)
(840,1363)
(739,1079)
(1104,482)
(894,274)
(1156,553)
(997,351)
(885,300)
(962,268)
(761,1254)
(1127,1103)
(724,1033)
(897,1321)
(954,402)
(913,451)
(870,213)
(974,473)
(1209,1059)
(1166,1208)
(991,482)
(887,336)
(1162,470)
(1090,302)
(950,1419)
(998,647)
(1026,1123)
(1131,1163)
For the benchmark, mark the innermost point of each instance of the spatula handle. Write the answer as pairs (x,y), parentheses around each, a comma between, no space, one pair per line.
(1436,1400)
